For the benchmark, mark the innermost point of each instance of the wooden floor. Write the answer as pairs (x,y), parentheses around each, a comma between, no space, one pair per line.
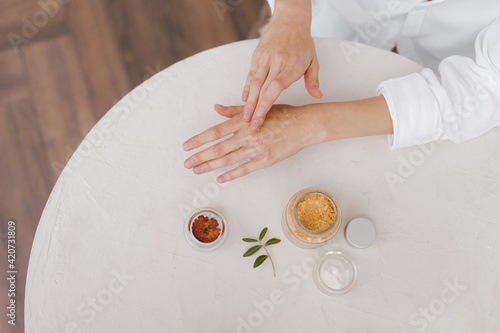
(62,66)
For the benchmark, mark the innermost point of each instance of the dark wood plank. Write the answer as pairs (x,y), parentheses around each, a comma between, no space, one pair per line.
(23,22)
(13,81)
(146,46)
(25,182)
(60,96)
(100,55)
(156,34)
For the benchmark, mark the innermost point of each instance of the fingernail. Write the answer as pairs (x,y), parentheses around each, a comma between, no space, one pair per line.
(317,87)
(218,106)
(244,96)
(221,179)
(254,125)
(189,164)
(260,111)
(187,145)
(247,114)
(198,169)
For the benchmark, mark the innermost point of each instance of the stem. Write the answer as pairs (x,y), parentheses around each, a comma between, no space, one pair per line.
(270,258)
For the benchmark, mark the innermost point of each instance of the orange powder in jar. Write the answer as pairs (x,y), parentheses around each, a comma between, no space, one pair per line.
(316,212)
(311,218)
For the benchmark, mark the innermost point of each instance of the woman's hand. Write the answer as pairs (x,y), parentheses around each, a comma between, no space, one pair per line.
(286,131)
(285,53)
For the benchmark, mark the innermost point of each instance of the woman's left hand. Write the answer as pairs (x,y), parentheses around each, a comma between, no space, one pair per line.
(286,131)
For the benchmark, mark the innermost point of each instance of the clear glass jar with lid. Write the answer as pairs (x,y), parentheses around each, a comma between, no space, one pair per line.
(311,217)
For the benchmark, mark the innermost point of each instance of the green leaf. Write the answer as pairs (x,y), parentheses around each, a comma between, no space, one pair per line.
(252,250)
(262,233)
(249,240)
(259,260)
(273,241)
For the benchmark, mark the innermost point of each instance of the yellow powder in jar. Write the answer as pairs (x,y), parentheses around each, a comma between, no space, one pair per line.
(316,212)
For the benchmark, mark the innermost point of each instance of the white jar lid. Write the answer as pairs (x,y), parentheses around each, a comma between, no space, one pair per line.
(360,232)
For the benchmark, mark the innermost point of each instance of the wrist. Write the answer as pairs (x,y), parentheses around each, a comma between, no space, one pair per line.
(311,126)
(296,13)
(359,118)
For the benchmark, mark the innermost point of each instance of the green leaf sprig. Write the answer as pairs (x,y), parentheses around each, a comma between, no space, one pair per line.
(254,249)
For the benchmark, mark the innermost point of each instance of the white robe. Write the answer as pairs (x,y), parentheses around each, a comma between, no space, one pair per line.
(457,97)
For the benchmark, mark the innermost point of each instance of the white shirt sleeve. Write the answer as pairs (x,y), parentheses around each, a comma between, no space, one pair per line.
(460,104)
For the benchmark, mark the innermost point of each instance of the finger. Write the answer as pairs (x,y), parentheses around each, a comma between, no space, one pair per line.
(275,88)
(246,88)
(218,150)
(224,161)
(240,171)
(311,79)
(255,87)
(228,111)
(251,73)
(273,72)
(212,134)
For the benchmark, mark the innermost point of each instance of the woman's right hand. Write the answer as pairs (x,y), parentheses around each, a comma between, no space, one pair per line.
(284,54)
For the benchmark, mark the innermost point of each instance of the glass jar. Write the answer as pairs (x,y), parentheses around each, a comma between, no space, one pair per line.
(207,214)
(334,273)
(297,233)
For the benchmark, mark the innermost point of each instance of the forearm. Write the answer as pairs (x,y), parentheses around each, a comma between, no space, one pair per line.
(343,120)
(295,12)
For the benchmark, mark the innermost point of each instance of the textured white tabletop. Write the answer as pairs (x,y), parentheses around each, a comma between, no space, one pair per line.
(110,256)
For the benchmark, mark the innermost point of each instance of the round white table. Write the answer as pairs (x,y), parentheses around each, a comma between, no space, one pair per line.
(110,255)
